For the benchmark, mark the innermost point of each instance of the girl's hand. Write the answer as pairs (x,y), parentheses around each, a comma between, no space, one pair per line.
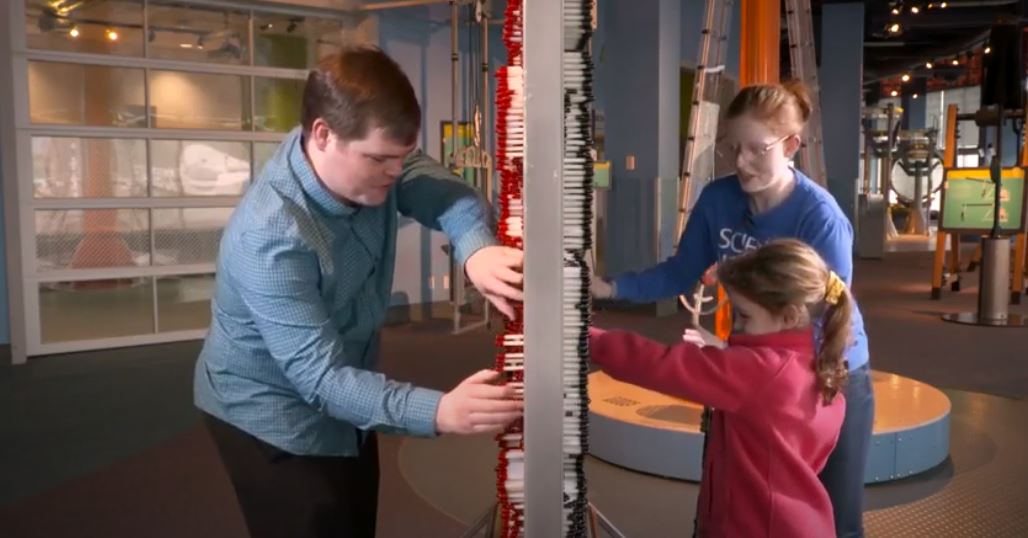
(702,338)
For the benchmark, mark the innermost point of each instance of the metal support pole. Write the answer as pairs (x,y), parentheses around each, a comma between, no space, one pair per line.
(544,319)
(458,272)
(993,298)
(486,103)
(486,131)
(760,38)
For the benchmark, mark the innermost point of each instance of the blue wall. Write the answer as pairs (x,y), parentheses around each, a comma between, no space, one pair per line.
(842,61)
(629,74)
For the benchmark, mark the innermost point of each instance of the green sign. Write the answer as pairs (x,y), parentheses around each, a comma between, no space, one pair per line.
(969,200)
(601,174)
(463,141)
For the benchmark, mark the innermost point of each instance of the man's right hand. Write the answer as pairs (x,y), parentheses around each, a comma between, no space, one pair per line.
(478,406)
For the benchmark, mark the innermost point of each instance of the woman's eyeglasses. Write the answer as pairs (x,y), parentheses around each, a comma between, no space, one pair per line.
(731,149)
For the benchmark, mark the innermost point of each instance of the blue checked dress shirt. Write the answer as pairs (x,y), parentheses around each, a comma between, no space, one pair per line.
(303,283)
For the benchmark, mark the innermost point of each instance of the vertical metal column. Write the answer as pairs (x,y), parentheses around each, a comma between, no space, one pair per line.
(459,290)
(544,146)
(759,37)
(486,126)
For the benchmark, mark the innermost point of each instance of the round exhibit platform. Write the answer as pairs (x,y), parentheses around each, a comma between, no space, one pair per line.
(649,432)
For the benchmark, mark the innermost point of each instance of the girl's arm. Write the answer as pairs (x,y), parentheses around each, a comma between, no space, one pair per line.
(722,378)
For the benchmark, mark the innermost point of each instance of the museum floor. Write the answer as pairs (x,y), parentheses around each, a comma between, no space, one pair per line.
(107,444)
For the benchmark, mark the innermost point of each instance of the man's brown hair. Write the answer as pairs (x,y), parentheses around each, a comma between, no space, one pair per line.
(359,89)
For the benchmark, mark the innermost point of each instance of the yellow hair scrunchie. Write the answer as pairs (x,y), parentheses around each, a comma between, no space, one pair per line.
(834,289)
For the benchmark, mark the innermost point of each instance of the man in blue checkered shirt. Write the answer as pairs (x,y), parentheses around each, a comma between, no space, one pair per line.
(287,376)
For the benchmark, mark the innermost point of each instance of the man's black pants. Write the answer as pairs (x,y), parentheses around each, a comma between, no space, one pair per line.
(284,495)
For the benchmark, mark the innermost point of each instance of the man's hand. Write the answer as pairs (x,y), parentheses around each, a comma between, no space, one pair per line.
(496,272)
(478,406)
(701,337)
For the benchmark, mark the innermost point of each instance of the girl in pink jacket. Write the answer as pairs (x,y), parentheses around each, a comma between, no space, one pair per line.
(775,391)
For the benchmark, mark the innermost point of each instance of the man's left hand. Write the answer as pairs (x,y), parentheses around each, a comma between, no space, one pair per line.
(496,272)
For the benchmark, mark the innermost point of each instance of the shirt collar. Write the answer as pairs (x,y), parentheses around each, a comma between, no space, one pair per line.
(801,340)
(309,181)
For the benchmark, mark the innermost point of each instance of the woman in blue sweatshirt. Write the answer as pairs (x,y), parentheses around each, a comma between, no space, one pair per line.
(768,199)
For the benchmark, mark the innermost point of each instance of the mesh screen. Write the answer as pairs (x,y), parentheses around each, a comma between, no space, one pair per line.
(92,238)
(188,235)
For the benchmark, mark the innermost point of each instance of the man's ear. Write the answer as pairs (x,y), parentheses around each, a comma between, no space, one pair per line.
(321,134)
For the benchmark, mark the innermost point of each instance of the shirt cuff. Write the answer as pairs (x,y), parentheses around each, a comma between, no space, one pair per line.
(471,242)
(422,405)
(618,286)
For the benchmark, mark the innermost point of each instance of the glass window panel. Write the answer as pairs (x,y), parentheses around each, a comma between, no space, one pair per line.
(277,103)
(199,167)
(293,42)
(92,238)
(108,27)
(188,235)
(80,94)
(262,153)
(97,309)
(181,100)
(201,34)
(184,302)
(64,167)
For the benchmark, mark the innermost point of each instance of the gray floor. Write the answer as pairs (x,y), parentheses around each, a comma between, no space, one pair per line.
(979,491)
(65,416)
(90,426)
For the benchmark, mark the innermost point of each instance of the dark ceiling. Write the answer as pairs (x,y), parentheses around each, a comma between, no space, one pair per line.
(933,33)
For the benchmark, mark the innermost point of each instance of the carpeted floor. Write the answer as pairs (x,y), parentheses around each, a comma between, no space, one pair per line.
(108,443)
